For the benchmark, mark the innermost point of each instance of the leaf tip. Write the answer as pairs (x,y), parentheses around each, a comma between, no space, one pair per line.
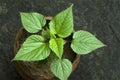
(104,45)
(72,5)
(13,60)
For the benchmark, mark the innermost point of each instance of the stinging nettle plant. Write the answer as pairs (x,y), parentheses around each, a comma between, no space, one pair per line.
(39,47)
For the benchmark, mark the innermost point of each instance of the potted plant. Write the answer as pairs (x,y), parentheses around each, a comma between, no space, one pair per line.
(45,47)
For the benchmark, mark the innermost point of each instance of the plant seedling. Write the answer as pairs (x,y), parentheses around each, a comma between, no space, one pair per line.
(52,39)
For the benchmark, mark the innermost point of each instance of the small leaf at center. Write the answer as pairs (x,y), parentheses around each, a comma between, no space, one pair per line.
(56,45)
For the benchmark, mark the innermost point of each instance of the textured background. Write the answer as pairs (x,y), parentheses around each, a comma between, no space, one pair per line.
(100,17)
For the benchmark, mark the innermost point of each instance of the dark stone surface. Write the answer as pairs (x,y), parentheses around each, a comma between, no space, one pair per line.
(100,17)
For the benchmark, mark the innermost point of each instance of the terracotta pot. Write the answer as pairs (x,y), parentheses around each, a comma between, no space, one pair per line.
(26,69)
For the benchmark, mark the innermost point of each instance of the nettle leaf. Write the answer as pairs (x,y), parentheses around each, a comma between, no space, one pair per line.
(33,49)
(32,22)
(46,34)
(84,42)
(62,24)
(61,68)
(56,45)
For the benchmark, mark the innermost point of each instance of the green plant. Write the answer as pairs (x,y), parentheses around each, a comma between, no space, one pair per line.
(39,47)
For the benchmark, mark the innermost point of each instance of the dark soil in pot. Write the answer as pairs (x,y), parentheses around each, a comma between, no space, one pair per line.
(40,70)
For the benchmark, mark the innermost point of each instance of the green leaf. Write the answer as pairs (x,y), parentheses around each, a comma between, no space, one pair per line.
(46,34)
(33,49)
(62,24)
(32,22)
(61,68)
(84,42)
(56,45)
